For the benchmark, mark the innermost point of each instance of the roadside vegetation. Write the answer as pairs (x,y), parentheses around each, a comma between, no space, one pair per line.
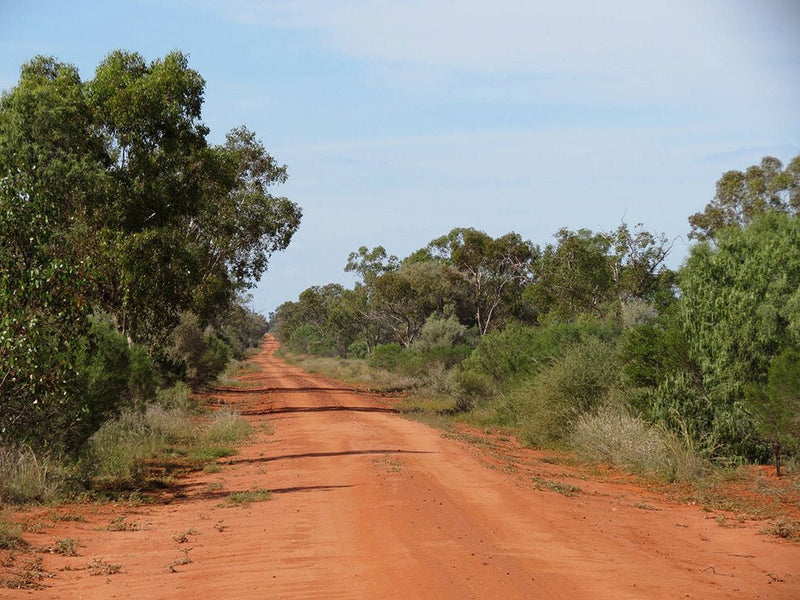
(127,245)
(589,344)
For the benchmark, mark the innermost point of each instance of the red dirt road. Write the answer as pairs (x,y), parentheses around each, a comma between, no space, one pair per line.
(367,504)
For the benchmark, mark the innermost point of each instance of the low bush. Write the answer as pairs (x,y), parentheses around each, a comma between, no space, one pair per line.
(26,477)
(578,382)
(310,339)
(386,356)
(198,355)
(177,396)
(438,332)
(614,436)
(519,352)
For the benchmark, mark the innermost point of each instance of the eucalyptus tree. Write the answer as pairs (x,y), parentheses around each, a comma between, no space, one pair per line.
(164,221)
(743,195)
(495,270)
(113,199)
(574,276)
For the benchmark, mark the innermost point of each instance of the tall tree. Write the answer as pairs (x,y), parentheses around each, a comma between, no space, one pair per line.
(743,195)
(112,199)
(164,222)
(574,275)
(740,307)
(404,299)
(495,269)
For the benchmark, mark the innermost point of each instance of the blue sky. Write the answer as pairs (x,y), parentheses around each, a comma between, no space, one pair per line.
(402,120)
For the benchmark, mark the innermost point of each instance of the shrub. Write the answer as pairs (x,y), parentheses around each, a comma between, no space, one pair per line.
(114,374)
(518,352)
(637,312)
(227,427)
(142,377)
(175,397)
(438,332)
(386,356)
(118,451)
(310,339)
(200,356)
(471,387)
(357,350)
(614,436)
(574,384)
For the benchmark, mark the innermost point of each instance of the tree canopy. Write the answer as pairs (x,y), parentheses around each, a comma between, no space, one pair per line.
(743,195)
(113,200)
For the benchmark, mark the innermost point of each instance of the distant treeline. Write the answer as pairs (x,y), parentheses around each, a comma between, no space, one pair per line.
(593,326)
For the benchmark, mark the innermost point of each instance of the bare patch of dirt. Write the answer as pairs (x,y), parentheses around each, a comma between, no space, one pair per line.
(336,496)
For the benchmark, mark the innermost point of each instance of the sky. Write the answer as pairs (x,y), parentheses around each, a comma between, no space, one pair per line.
(401,120)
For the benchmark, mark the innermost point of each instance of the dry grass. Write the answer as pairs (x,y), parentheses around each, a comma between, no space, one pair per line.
(613,436)
(28,477)
(354,371)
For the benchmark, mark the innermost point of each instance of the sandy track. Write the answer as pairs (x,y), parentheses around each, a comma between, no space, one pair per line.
(369,505)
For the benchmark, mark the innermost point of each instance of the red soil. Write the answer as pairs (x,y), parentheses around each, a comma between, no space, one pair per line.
(366,504)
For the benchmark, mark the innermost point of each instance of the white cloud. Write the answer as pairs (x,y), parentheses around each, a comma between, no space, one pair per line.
(730,56)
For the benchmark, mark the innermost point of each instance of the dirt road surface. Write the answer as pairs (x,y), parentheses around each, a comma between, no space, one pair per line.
(367,504)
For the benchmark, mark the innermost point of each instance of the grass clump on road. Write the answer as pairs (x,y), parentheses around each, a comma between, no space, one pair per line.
(246,497)
(10,535)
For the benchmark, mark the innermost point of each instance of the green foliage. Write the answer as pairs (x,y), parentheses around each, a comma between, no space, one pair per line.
(519,351)
(241,328)
(357,350)
(120,451)
(10,535)
(600,273)
(371,264)
(28,477)
(493,270)
(199,354)
(649,353)
(574,276)
(402,300)
(113,374)
(42,320)
(743,196)
(112,200)
(781,416)
(471,387)
(319,322)
(718,428)
(386,356)
(308,339)
(438,332)
(738,314)
(777,409)
(227,427)
(177,396)
(573,384)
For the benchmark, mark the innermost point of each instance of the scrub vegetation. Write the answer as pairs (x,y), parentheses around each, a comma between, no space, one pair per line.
(590,343)
(128,243)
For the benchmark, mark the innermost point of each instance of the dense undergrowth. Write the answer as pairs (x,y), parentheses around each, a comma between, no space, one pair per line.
(156,430)
(139,451)
(567,386)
